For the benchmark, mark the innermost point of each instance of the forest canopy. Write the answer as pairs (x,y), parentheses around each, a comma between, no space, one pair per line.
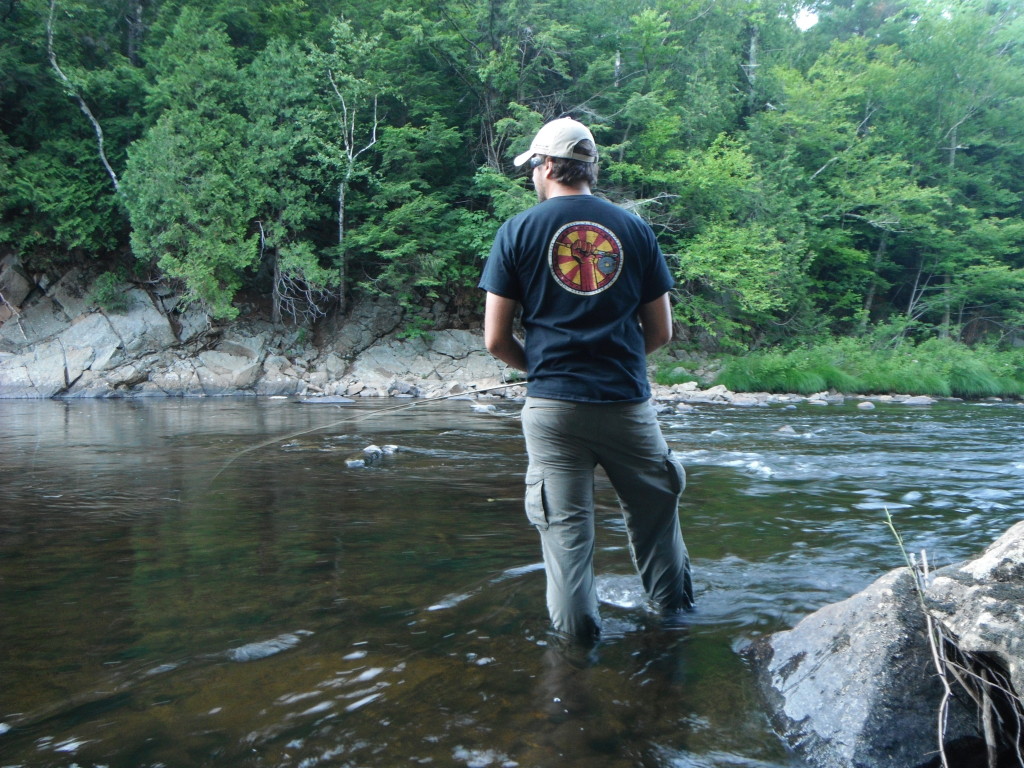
(863,174)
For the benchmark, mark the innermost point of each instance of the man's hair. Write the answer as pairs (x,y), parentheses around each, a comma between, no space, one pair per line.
(571,172)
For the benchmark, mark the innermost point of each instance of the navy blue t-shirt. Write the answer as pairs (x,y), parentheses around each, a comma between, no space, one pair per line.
(580,267)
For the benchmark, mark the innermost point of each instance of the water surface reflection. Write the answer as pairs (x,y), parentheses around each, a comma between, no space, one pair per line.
(294,610)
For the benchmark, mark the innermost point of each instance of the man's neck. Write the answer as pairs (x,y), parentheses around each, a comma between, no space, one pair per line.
(563,190)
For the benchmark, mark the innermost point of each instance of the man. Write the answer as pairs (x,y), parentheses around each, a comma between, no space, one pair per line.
(593,286)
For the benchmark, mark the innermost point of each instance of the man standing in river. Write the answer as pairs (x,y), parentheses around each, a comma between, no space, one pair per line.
(593,286)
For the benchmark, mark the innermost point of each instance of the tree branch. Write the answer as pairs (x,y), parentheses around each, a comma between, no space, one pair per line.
(70,88)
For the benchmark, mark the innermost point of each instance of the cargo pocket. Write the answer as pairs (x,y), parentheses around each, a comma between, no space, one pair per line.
(676,473)
(536,510)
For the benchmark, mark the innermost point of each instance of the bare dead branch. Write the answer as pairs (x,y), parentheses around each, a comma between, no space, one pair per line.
(824,167)
(73,93)
(6,303)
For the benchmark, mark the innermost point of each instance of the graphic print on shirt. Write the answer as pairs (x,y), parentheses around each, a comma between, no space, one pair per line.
(585,258)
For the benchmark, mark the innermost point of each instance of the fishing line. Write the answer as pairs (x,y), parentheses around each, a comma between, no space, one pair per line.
(354,418)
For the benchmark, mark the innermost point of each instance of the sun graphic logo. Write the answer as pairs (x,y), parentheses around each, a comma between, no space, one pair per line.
(585,258)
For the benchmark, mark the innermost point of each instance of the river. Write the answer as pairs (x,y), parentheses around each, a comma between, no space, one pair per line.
(180,587)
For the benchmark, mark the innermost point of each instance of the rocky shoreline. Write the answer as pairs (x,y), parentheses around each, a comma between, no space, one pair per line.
(56,343)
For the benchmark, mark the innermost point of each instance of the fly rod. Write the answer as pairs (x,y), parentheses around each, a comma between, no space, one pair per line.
(354,418)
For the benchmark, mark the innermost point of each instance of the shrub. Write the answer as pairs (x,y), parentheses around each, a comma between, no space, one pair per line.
(109,294)
(669,372)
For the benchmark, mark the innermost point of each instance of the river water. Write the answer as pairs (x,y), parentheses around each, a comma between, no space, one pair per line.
(180,587)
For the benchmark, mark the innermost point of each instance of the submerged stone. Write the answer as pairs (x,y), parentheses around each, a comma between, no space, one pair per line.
(265,648)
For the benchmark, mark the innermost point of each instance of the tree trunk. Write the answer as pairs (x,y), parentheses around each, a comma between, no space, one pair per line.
(917,293)
(876,265)
(944,328)
(276,294)
(135,31)
(342,260)
(751,68)
(73,93)
(275,313)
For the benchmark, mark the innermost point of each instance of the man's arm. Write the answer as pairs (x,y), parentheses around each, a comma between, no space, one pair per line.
(499,313)
(656,321)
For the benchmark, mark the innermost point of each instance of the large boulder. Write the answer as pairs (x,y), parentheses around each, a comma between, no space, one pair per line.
(981,604)
(59,345)
(15,286)
(35,323)
(442,356)
(223,373)
(368,320)
(854,684)
(851,685)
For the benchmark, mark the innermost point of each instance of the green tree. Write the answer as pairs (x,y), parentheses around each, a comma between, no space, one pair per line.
(279,90)
(419,244)
(743,271)
(863,172)
(189,184)
(68,110)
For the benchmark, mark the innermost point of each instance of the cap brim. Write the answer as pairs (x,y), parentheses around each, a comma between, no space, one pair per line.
(520,159)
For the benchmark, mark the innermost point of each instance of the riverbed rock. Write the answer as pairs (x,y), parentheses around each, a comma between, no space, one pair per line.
(743,401)
(279,378)
(442,356)
(176,377)
(853,685)
(71,292)
(981,603)
(35,324)
(369,456)
(222,373)
(369,320)
(15,285)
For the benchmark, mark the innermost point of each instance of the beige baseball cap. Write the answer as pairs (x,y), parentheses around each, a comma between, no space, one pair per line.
(558,139)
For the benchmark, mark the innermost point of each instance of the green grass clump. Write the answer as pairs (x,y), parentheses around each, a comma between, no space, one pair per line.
(973,380)
(840,380)
(896,376)
(800,371)
(937,367)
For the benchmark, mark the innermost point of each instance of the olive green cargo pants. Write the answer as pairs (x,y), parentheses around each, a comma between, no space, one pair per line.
(565,441)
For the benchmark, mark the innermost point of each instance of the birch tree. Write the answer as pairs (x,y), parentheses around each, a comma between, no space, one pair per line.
(73,91)
(348,122)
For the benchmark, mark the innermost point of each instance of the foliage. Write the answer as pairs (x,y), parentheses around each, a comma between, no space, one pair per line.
(860,178)
(108,293)
(188,183)
(279,86)
(670,372)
